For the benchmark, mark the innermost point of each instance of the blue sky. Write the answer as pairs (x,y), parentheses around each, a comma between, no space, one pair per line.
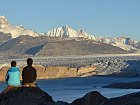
(97,17)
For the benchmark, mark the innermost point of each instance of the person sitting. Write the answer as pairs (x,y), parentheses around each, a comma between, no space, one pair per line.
(12,78)
(29,74)
(13,75)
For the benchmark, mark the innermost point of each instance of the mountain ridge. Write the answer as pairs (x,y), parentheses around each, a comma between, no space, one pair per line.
(15,31)
(59,41)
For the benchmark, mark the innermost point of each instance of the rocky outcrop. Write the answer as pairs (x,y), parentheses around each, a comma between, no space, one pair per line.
(35,96)
(92,98)
(25,96)
(50,72)
(87,71)
(131,85)
(55,72)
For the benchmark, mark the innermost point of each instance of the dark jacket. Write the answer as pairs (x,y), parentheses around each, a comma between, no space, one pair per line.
(29,75)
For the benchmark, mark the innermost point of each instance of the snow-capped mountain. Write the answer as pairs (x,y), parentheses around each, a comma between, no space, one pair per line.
(3,22)
(66,31)
(8,31)
(122,42)
(15,31)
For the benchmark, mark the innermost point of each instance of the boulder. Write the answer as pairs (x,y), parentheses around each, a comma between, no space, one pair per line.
(25,96)
(92,98)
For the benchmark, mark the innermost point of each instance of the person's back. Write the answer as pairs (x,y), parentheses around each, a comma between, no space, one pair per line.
(29,74)
(13,75)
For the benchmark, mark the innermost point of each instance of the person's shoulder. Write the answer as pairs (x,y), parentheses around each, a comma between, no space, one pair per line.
(33,68)
(9,69)
(13,69)
(25,68)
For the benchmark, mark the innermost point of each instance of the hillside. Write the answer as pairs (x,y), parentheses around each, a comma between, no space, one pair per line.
(73,47)
(47,46)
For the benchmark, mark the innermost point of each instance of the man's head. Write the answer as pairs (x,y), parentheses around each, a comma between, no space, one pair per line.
(13,64)
(29,62)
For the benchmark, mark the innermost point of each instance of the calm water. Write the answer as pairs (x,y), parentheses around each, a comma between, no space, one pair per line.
(70,89)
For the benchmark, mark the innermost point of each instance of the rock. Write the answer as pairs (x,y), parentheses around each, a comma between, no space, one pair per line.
(25,96)
(130,99)
(87,71)
(35,96)
(59,72)
(131,85)
(92,98)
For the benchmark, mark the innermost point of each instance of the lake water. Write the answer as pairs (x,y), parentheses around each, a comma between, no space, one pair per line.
(70,89)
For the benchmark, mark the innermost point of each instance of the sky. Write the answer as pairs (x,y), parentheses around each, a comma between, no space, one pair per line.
(106,18)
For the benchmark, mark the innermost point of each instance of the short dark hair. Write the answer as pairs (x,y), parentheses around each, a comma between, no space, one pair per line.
(29,61)
(13,63)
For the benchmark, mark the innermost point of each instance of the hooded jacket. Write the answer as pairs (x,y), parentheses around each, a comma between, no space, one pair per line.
(13,77)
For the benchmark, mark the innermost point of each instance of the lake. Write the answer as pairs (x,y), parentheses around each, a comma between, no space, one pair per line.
(69,89)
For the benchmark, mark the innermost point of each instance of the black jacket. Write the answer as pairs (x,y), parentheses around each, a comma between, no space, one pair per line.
(29,74)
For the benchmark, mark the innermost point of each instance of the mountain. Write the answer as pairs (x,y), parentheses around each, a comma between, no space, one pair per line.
(19,42)
(124,43)
(22,46)
(15,31)
(80,47)
(4,37)
(3,22)
(66,31)
(48,46)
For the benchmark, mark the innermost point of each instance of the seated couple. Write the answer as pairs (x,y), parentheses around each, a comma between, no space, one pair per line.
(28,75)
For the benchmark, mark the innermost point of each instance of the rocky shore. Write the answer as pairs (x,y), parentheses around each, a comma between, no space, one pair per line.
(36,96)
